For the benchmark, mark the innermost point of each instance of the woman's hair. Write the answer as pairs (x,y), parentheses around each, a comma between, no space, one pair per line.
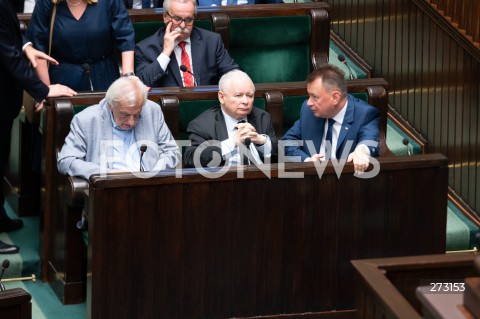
(126,89)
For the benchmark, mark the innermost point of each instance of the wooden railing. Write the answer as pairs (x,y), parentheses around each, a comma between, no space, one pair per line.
(463,14)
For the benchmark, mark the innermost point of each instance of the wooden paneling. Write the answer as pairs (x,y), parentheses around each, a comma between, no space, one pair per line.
(464,14)
(433,75)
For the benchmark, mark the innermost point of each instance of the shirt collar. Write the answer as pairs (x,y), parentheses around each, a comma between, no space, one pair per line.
(230,121)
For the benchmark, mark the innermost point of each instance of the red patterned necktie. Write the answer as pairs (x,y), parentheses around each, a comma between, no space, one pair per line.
(187,77)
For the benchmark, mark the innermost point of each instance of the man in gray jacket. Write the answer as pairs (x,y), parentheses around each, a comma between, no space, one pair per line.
(112,135)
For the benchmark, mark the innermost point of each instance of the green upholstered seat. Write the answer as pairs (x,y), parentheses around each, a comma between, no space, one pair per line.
(333,53)
(79,108)
(395,138)
(460,230)
(284,57)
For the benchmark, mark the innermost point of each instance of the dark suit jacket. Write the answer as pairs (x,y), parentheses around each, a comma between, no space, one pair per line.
(210,125)
(19,5)
(209,58)
(15,74)
(360,124)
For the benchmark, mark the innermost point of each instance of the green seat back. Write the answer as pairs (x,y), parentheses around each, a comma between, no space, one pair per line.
(272,49)
(334,51)
(79,108)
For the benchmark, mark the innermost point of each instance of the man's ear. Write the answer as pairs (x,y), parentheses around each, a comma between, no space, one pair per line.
(221,97)
(336,96)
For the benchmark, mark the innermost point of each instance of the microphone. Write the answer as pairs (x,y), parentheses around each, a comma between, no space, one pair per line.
(86,68)
(143,148)
(248,141)
(5,265)
(406,143)
(184,69)
(342,59)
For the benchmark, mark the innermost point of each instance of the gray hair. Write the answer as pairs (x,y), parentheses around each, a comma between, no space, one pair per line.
(126,89)
(166,5)
(233,76)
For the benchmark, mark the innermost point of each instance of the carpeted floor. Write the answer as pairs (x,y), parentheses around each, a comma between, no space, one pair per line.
(45,304)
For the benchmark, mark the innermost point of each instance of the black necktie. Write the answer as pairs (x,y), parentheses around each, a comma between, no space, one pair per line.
(244,156)
(328,138)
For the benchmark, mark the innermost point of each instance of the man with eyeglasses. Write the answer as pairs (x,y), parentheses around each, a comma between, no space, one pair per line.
(180,54)
(109,136)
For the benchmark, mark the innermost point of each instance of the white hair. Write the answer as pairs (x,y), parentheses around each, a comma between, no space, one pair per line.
(126,89)
(233,76)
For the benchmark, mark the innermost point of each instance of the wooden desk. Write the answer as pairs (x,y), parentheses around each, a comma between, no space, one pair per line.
(15,304)
(387,286)
(197,247)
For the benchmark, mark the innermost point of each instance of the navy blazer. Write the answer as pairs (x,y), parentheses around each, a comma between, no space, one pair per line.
(15,74)
(210,126)
(210,60)
(361,124)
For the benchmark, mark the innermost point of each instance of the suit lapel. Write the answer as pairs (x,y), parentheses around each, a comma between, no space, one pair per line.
(317,136)
(107,131)
(220,126)
(141,134)
(346,125)
(197,46)
(173,68)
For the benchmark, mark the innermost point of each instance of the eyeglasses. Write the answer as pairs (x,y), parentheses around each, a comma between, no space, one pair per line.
(179,20)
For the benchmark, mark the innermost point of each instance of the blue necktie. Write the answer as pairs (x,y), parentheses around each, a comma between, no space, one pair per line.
(328,138)
(231,2)
(146,4)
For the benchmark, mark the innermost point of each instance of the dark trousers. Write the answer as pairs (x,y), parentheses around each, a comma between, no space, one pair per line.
(5,138)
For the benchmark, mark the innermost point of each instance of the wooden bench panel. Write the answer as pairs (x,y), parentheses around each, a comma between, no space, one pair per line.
(200,254)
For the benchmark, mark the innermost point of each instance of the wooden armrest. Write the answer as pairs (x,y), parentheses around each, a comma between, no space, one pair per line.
(75,188)
(14,296)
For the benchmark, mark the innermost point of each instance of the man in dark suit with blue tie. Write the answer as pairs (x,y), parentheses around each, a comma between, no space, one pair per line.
(16,75)
(160,56)
(334,124)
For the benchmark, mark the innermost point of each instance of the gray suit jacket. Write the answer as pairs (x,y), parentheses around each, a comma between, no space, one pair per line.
(90,141)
